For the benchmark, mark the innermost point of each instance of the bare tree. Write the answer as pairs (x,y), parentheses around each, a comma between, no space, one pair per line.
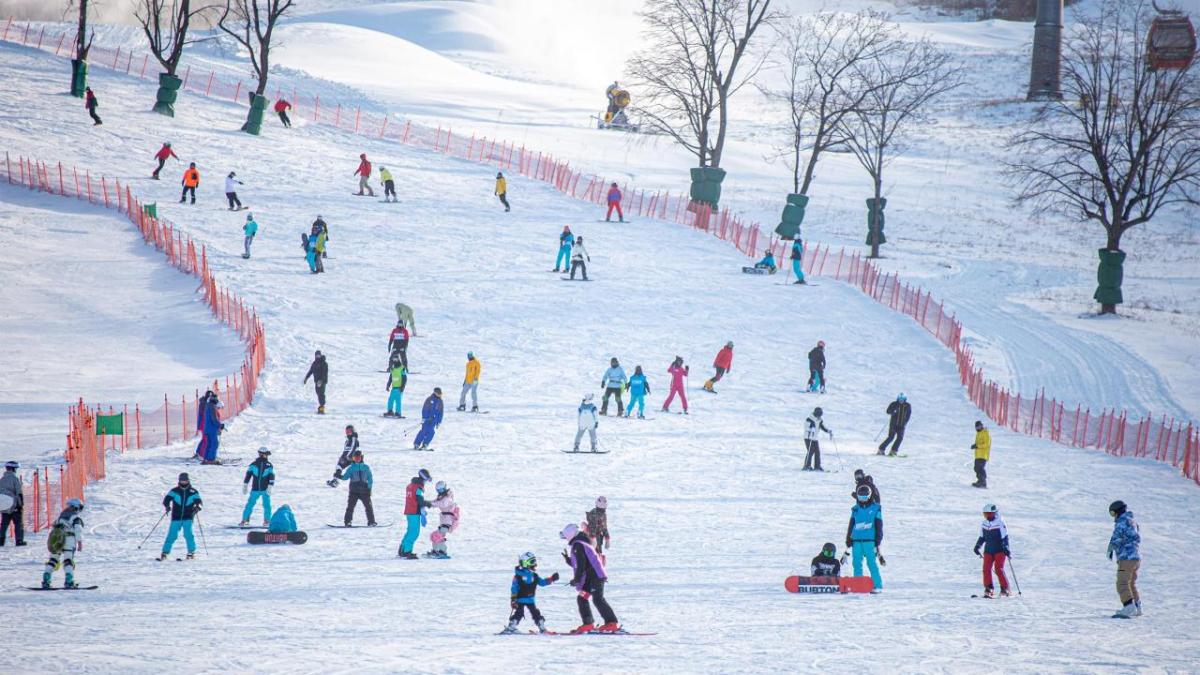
(1124,142)
(899,87)
(252,24)
(166,24)
(83,44)
(698,57)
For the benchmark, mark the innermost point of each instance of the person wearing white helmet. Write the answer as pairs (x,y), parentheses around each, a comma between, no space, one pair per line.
(588,580)
(66,537)
(993,539)
(447,520)
(588,421)
(597,524)
(12,509)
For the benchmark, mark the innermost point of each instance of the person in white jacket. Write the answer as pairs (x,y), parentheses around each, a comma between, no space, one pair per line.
(447,521)
(812,425)
(578,255)
(588,421)
(231,181)
(69,527)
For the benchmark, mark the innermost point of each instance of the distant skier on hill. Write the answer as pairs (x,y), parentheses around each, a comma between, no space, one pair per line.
(637,386)
(431,419)
(813,424)
(614,202)
(723,364)
(1124,546)
(587,421)
(502,190)
(398,343)
(404,314)
(578,255)
(231,183)
(344,460)
(320,229)
(11,487)
(210,432)
(358,475)
(470,383)
(565,241)
(613,383)
(249,230)
(389,185)
(319,372)
(397,379)
(983,452)
(899,412)
(797,257)
(861,479)
(678,373)
(364,176)
(281,108)
(816,367)
(91,104)
(597,524)
(162,155)
(191,181)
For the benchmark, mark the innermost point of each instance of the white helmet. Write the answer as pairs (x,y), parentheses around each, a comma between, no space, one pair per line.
(569,531)
(602,502)
(441,486)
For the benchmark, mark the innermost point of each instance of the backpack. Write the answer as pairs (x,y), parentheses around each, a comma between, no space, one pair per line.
(57,539)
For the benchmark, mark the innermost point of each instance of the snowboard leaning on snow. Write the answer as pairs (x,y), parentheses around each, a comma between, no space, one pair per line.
(798,584)
(256,537)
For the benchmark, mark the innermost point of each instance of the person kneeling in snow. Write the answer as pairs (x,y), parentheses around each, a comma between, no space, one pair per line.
(826,564)
(767,263)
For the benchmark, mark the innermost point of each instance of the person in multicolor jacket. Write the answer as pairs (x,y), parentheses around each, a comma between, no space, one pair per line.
(523,596)
(993,539)
(184,504)
(597,524)
(588,581)
(260,477)
(1123,545)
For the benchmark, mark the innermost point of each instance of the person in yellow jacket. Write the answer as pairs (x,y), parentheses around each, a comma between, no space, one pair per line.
(983,452)
(389,184)
(470,383)
(191,179)
(502,190)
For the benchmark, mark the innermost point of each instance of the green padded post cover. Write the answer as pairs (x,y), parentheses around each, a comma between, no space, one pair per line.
(1109,275)
(706,184)
(254,118)
(875,221)
(168,93)
(78,77)
(793,216)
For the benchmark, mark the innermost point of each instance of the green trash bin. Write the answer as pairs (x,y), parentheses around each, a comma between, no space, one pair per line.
(168,93)
(706,185)
(254,119)
(1109,275)
(79,71)
(875,221)
(793,216)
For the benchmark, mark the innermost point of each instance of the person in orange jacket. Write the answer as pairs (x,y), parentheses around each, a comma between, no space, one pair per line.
(364,176)
(164,153)
(723,363)
(470,383)
(191,179)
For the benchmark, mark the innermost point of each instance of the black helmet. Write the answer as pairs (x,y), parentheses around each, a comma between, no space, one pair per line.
(818,412)
(829,549)
(357,454)
(859,474)
(863,493)
(1117,508)
(424,474)
(183,478)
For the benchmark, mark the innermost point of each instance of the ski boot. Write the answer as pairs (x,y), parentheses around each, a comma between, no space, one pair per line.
(45,580)
(244,523)
(1137,604)
(610,627)
(70,581)
(641,416)
(191,556)
(989,593)
(585,628)
(1005,593)
(541,624)
(510,628)
(474,408)
(332,482)
(320,410)
(410,556)
(389,414)
(161,557)
(462,408)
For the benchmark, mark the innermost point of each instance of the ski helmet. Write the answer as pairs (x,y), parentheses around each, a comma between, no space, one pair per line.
(990,508)
(978,424)
(829,549)
(264,451)
(11,466)
(350,428)
(75,504)
(357,454)
(863,493)
(602,502)
(569,531)
(859,474)
(587,398)
(818,412)
(424,475)
(249,216)
(729,344)
(820,343)
(183,479)
(901,397)
(527,560)
(437,391)
(441,486)
(1117,508)
(614,362)
(470,355)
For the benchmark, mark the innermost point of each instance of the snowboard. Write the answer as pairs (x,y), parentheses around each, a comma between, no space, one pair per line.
(435,557)
(586,452)
(245,527)
(246,256)
(224,461)
(420,450)
(619,222)
(477,412)
(61,588)
(276,537)
(756,270)
(394,417)
(798,584)
(355,527)
(240,208)
(570,279)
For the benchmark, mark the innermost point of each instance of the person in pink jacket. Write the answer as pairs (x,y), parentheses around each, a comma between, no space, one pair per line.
(678,371)
(614,202)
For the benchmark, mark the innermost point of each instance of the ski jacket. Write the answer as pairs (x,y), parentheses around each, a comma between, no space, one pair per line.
(414,497)
(1125,538)
(586,563)
(677,375)
(812,425)
(201,409)
(588,419)
(474,368)
(431,412)
(321,238)
(824,566)
(364,168)
(866,524)
(614,378)
(578,252)
(165,152)
(283,520)
(993,536)
(869,482)
(797,249)
(191,177)
(448,510)
(639,385)
(281,105)
(319,370)
(231,183)
(385,175)
(351,444)
(358,474)
(983,444)
(184,502)
(91,101)
(767,261)
(10,485)
(260,474)
(398,377)
(816,358)
(900,412)
(597,522)
(501,186)
(525,584)
(398,338)
(724,359)
(72,526)
(212,420)
(250,228)
(566,240)
(614,195)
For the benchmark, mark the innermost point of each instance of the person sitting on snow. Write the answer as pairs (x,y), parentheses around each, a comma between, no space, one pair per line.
(767,263)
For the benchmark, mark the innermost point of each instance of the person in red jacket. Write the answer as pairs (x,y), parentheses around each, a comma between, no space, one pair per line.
(163,153)
(91,104)
(281,108)
(364,176)
(614,202)
(723,363)
(414,513)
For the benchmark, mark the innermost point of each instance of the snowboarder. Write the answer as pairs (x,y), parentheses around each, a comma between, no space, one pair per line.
(523,594)
(502,190)
(364,176)
(767,263)
(398,343)
(816,367)
(565,241)
(344,460)
(10,486)
(614,202)
(358,475)
(678,372)
(231,183)
(162,155)
(471,383)
(210,438)
(404,314)
(319,372)
(249,229)
(91,104)
(578,255)
(993,539)
(1123,545)
(184,503)
(431,419)
(797,257)
(321,228)
(414,513)
(447,519)
(723,364)
(637,386)
(389,184)
(588,421)
(588,581)
(397,379)
(983,452)
(259,479)
(614,383)
(899,412)
(814,424)
(864,535)
(191,180)
(65,539)
(281,108)
(826,564)
(597,524)
(860,479)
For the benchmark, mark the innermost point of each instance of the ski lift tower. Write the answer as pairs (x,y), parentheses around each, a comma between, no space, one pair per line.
(1045,71)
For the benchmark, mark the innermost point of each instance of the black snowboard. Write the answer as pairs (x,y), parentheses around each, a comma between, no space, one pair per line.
(60,588)
(276,537)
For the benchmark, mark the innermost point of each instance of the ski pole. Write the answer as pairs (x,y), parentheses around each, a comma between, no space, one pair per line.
(202,539)
(410,430)
(837,453)
(881,430)
(160,519)
(1014,573)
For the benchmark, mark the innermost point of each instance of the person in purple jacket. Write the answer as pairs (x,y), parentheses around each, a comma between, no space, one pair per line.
(589,581)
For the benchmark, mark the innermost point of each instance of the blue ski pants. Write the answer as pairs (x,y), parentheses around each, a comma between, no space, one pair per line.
(255,495)
(638,400)
(563,260)
(173,534)
(412,533)
(425,435)
(866,549)
(798,270)
(394,400)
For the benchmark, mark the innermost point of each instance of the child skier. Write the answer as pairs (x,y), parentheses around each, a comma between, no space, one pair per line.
(358,475)
(864,534)
(587,420)
(431,419)
(597,524)
(184,503)
(826,564)
(249,229)
(260,477)
(344,461)
(397,379)
(993,538)
(1123,545)
(637,386)
(723,364)
(613,383)
(816,367)
(447,520)
(565,241)
(767,263)
(678,372)
(231,183)
(588,581)
(812,425)
(470,383)
(578,255)
(523,594)
(65,539)
(389,184)
(414,513)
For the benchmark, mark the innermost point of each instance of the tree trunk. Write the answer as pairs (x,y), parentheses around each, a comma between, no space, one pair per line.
(878,180)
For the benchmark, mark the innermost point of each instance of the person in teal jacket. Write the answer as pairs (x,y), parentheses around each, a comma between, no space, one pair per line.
(260,478)
(798,261)
(358,475)
(767,263)
(638,387)
(865,533)
(249,229)
(565,241)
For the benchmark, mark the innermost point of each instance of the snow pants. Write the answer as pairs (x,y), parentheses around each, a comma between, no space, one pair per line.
(161,162)
(981,472)
(17,518)
(389,189)
(206,449)
(720,373)
(425,435)
(578,265)
(472,387)
(1127,571)
(564,259)
(438,538)
(812,459)
(394,400)
(994,561)
(66,558)
(896,432)
(95,118)
(638,400)
(283,117)
(816,379)
(173,534)
(866,549)
(612,391)
(617,206)
(186,190)
(320,387)
(359,495)
(365,185)
(519,613)
(255,495)
(596,589)
(579,436)
(412,533)
(249,240)
(503,196)
(675,389)
(234,202)
(798,269)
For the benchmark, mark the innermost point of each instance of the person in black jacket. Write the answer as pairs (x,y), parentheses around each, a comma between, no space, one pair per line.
(860,479)
(184,504)
(344,461)
(826,564)
(588,580)
(319,372)
(816,367)
(899,412)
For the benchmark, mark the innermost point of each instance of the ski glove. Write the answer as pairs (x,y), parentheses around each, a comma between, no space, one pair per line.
(512,602)
(554,577)
(879,555)
(585,595)
(977,552)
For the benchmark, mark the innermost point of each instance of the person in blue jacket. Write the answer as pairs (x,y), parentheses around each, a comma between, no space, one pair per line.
(260,477)
(638,387)
(1124,546)
(523,594)
(767,263)
(210,431)
(614,383)
(865,533)
(797,257)
(565,241)
(184,504)
(358,475)
(431,417)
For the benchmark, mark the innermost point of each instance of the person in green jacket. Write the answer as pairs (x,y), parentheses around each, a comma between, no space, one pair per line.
(250,229)
(389,185)
(397,379)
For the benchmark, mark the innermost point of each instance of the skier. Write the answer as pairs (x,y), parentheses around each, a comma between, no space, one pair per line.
(864,534)
(860,479)
(319,372)
(597,524)
(397,379)
(523,594)
(816,367)
(993,539)
(358,475)
(1123,545)
(10,486)
(65,539)
(470,383)
(184,504)
(431,419)
(826,564)
(210,439)
(614,202)
(565,241)
(191,180)
(767,263)
(578,255)
(398,343)
(899,412)
(364,176)
(983,452)
(259,479)
(588,421)
(344,460)
(281,108)
(723,364)
(797,257)
(814,424)
(249,229)
(414,513)
(637,386)
(389,184)
(404,314)
(613,382)
(678,372)
(588,581)
(91,104)
(320,227)
(231,183)
(447,519)
(162,155)
(310,252)
(502,190)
